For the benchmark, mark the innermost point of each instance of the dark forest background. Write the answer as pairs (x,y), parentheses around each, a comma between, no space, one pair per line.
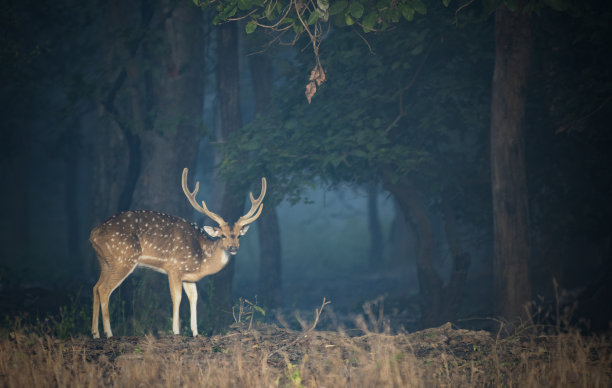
(380,186)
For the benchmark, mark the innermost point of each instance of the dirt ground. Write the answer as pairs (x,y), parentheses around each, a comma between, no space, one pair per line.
(282,344)
(366,345)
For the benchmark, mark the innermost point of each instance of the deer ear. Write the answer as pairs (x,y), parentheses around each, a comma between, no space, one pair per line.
(212,231)
(244,230)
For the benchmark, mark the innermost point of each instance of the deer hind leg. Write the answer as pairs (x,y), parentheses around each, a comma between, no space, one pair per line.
(109,281)
(192,294)
(176,294)
(96,306)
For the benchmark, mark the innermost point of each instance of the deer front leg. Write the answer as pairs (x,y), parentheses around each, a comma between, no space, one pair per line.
(192,295)
(176,294)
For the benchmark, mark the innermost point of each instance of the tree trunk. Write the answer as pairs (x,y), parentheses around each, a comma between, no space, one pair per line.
(174,91)
(167,86)
(453,292)
(110,158)
(261,74)
(402,239)
(430,285)
(376,255)
(270,259)
(71,185)
(438,303)
(153,115)
(509,187)
(19,190)
(230,195)
(111,152)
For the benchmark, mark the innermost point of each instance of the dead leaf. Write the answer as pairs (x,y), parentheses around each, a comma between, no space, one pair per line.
(317,77)
(311,89)
(321,78)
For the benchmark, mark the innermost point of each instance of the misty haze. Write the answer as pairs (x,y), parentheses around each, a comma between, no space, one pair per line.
(306,194)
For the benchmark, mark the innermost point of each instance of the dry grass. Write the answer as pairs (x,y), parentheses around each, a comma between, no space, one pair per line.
(267,356)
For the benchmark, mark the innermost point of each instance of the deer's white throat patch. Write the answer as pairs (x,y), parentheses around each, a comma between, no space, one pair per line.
(224,257)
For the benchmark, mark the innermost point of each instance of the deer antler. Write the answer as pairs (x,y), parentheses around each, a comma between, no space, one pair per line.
(191,197)
(256,206)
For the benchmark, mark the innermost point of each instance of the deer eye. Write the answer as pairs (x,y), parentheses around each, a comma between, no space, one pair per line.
(223,236)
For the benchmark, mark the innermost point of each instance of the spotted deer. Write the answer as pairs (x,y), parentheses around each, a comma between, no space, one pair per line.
(167,244)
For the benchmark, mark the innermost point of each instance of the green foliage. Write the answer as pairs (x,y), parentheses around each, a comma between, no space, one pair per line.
(314,17)
(73,319)
(413,107)
(370,15)
(410,104)
(294,376)
(559,5)
(245,311)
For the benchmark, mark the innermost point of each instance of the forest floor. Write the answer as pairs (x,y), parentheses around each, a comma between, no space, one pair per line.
(264,355)
(354,344)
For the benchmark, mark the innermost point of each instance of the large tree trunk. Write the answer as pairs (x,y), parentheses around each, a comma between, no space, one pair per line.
(109,171)
(269,278)
(168,98)
(112,154)
(153,115)
(173,90)
(509,187)
(229,196)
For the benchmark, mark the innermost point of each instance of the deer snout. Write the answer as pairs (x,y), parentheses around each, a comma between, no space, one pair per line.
(233,250)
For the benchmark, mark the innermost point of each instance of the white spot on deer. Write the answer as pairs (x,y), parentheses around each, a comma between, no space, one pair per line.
(146,257)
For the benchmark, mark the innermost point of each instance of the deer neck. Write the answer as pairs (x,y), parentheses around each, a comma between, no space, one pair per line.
(214,258)
(219,256)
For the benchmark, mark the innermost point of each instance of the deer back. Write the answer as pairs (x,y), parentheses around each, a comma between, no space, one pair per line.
(155,240)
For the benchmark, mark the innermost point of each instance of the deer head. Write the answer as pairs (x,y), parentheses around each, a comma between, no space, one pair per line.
(229,235)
